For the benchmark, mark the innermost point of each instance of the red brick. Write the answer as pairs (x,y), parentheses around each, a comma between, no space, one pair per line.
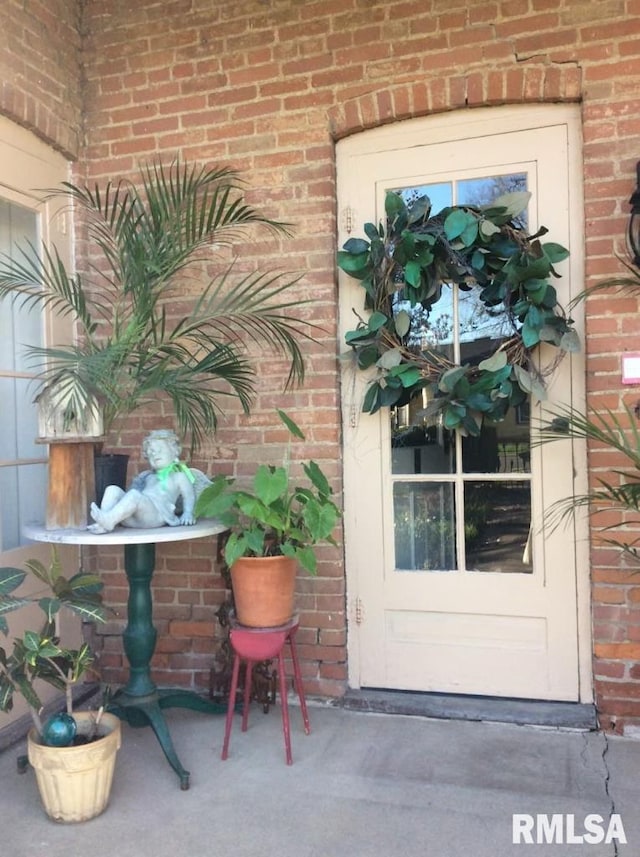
(301,81)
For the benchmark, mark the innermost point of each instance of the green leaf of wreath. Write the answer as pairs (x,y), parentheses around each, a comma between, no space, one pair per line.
(511,204)
(402,323)
(356,246)
(353,263)
(487,228)
(420,209)
(529,383)
(479,402)
(450,378)
(396,210)
(550,298)
(472,424)
(453,416)
(470,232)
(413,273)
(409,376)
(376,321)
(367,356)
(360,334)
(555,252)
(455,223)
(530,334)
(498,360)
(371,402)
(390,358)
(390,395)
(570,341)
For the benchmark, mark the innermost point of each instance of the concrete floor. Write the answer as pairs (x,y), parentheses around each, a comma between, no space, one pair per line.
(360,785)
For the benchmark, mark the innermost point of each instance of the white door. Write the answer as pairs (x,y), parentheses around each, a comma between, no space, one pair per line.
(453,584)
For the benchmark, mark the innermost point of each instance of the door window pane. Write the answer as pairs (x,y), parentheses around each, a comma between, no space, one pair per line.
(424,448)
(440,194)
(483,191)
(424,525)
(492,519)
(497,526)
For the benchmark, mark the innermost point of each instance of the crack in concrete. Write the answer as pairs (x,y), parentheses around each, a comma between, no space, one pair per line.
(606,775)
(607,783)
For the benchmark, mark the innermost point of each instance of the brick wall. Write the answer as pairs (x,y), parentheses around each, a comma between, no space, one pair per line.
(269,87)
(40,69)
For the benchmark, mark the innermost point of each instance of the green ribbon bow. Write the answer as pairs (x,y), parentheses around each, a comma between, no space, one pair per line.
(175,467)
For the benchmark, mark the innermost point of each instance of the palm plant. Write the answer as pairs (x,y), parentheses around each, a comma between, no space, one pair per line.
(134,342)
(619,491)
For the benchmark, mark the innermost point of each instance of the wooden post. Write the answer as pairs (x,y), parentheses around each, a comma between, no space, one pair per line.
(71,483)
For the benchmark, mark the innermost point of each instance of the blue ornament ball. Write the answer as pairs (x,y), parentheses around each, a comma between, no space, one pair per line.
(59,730)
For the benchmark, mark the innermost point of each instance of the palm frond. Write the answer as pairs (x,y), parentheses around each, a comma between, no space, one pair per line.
(39,278)
(628,283)
(621,497)
(606,428)
(132,347)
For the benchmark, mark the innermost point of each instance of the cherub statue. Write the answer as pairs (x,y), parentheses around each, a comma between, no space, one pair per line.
(154,495)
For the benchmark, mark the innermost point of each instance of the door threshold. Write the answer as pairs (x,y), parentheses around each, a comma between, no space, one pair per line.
(523,712)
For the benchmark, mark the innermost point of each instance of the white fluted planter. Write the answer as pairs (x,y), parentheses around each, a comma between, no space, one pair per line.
(75,782)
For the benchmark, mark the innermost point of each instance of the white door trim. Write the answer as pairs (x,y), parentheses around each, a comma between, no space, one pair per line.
(443,128)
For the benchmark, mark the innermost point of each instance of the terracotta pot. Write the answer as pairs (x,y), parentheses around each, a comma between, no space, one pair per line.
(264,590)
(75,782)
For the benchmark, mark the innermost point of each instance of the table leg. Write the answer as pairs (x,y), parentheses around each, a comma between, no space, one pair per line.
(140,702)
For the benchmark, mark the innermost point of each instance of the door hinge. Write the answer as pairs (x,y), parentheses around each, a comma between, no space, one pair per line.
(358,611)
(347,219)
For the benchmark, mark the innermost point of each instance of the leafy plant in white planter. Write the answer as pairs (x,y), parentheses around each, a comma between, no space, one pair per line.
(73,753)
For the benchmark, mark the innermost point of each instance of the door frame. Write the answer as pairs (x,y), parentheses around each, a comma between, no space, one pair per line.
(465,124)
(27,167)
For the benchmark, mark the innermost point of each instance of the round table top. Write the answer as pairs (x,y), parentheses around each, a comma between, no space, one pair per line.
(125,535)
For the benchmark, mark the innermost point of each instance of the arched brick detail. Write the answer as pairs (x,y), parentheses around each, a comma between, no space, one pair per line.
(520,85)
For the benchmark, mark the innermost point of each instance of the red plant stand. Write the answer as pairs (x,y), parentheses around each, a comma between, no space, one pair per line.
(260,644)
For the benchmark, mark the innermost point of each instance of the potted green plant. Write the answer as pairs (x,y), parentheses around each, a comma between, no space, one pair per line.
(73,753)
(152,319)
(273,527)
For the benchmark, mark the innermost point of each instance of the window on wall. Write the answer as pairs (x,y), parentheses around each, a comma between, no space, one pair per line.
(27,166)
(23,468)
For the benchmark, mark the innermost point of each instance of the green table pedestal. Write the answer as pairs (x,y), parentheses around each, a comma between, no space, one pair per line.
(140,702)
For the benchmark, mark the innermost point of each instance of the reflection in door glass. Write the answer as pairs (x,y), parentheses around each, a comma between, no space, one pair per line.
(494,521)
(503,447)
(440,195)
(425,448)
(424,525)
(497,526)
(484,190)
